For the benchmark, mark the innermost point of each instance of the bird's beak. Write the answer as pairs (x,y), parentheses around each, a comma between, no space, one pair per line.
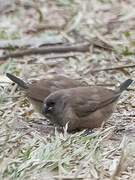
(44,109)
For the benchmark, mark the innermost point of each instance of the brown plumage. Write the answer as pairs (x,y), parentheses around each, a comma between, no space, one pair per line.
(82,107)
(40,89)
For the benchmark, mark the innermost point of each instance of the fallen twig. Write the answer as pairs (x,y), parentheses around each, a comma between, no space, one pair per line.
(58,48)
(62,48)
(112,68)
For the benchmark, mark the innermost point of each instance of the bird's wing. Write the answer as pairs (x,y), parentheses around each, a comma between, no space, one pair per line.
(86,105)
(41,89)
(38,91)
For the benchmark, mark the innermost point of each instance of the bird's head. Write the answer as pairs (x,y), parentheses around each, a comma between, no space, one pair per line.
(49,105)
(54,106)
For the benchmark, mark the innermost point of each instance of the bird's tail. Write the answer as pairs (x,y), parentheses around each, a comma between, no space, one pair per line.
(118,92)
(124,85)
(15,79)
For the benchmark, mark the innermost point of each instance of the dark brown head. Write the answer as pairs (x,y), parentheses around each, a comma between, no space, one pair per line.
(54,106)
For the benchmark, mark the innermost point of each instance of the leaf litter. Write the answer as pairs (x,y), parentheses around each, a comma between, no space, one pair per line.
(27,150)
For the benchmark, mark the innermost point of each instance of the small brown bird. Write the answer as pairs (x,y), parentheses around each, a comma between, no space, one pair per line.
(82,107)
(40,89)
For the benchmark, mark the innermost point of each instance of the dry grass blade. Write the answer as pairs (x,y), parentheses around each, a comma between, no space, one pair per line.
(119,166)
(108,29)
(116,67)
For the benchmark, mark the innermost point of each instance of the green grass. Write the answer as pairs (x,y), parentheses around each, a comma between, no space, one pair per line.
(105,153)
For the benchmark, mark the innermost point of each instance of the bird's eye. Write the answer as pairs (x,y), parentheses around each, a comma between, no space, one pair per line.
(51,104)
